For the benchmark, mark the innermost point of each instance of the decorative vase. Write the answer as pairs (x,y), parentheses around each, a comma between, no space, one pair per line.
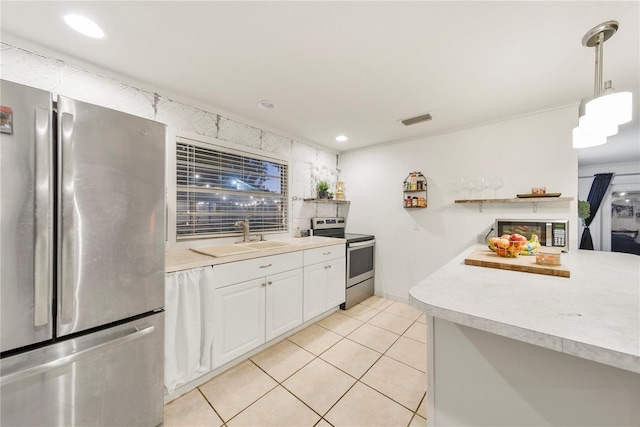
(340,191)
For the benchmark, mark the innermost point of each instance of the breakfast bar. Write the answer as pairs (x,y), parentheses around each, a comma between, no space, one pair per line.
(518,348)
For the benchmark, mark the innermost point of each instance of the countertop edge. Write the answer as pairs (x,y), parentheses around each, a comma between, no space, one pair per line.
(509,331)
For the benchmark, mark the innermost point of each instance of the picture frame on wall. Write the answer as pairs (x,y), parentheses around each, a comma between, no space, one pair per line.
(6,120)
(622,211)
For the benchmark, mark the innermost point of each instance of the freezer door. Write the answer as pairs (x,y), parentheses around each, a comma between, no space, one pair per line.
(26,216)
(110,216)
(110,378)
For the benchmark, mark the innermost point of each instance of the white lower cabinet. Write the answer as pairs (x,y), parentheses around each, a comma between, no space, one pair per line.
(336,282)
(324,280)
(249,313)
(315,290)
(238,320)
(283,303)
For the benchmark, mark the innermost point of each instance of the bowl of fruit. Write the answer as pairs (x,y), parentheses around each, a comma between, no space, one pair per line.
(513,245)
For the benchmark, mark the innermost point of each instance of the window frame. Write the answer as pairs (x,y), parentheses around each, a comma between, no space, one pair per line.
(173,138)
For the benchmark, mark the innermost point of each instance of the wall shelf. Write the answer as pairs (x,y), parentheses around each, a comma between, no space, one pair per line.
(326,201)
(533,200)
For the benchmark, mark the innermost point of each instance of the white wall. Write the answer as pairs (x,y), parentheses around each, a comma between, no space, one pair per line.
(627,178)
(308,163)
(529,151)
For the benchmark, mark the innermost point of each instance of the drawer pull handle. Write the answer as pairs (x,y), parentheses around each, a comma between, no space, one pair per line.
(327,253)
(264,284)
(266,266)
(269,282)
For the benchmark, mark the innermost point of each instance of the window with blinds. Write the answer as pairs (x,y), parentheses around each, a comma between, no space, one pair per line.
(217,186)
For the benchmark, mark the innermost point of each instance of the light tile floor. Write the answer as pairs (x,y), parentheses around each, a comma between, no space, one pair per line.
(362,367)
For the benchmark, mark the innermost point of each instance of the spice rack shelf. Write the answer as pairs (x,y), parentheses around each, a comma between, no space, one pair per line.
(414,191)
(533,200)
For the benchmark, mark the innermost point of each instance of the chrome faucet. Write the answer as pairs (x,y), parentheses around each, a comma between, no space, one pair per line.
(245,230)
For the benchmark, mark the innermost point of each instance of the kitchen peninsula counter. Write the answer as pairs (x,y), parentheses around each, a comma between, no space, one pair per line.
(542,345)
(185,259)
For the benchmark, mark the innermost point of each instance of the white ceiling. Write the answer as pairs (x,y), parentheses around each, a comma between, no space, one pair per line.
(352,68)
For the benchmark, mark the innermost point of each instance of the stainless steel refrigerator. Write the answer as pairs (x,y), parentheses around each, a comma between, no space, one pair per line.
(82,263)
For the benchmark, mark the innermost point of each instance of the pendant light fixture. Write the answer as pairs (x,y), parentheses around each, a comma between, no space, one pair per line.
(600,117)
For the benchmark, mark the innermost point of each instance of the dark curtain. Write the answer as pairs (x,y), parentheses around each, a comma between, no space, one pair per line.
(596,194)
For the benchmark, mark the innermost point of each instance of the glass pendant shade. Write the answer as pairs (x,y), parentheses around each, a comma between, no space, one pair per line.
(595,124)
(614,107)
(608,109)
(584,138)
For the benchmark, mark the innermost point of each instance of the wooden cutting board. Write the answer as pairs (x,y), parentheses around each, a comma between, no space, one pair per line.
(484,257)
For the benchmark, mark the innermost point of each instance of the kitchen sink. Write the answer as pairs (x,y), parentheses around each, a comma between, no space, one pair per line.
(224,250)
(265,245)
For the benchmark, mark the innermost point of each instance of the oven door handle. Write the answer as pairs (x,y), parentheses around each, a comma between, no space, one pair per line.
(361,244)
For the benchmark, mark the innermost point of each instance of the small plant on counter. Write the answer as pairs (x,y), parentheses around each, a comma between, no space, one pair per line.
(323,190)
(584,210)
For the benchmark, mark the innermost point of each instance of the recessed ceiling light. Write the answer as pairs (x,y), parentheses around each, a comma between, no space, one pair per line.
(267,105)
(341,138)
(84,26)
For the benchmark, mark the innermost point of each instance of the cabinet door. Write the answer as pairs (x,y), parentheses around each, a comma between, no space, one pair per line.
(315,290)
(283,302)
(239,320)
(336,282)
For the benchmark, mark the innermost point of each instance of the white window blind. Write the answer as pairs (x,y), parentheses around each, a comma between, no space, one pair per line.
(217,186)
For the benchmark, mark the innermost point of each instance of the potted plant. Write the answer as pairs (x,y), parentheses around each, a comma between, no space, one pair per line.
(323,190)
(584,210)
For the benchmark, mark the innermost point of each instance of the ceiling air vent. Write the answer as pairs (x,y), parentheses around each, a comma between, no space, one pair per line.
(417,119)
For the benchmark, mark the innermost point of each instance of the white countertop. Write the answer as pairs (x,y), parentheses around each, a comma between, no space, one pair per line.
(185,259)
(594,315)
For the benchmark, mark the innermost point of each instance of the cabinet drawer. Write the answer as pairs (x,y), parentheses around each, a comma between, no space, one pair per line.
(314,256)
(241,271)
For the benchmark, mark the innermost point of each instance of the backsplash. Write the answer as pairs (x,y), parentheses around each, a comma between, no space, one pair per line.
(307,164)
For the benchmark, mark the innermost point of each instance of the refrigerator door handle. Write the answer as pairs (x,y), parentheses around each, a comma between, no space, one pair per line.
(74,357)
(43,206)
(67,267)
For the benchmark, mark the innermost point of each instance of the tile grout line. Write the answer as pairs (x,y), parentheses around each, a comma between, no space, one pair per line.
(298,370)
(399,361)
(249,405)
(224,423)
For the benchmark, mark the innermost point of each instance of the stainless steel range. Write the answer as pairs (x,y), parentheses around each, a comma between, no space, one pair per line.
(360,258)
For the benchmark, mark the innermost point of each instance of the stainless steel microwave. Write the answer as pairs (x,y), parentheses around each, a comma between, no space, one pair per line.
(552,233)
